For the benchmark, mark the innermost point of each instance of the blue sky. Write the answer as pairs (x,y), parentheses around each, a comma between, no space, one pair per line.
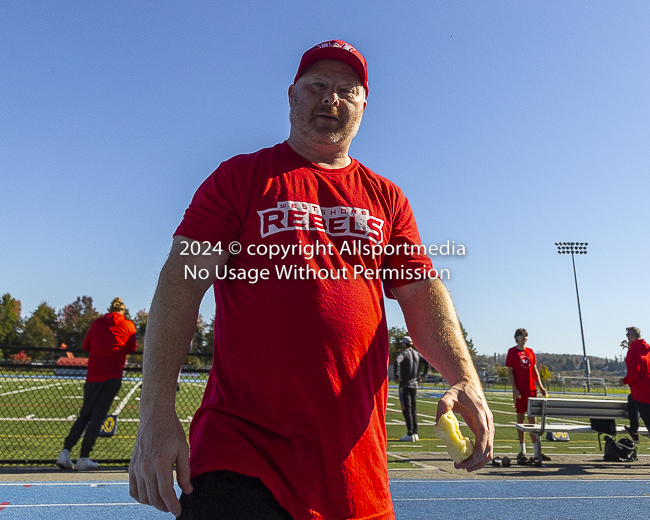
(509,125)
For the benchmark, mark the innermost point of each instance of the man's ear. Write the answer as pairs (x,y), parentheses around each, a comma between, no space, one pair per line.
(291,88)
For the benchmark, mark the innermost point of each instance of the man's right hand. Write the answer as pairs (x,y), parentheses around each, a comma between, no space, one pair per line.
(161,445)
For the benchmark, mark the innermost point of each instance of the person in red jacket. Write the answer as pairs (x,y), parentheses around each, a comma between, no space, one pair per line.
(107,341)
(638,378)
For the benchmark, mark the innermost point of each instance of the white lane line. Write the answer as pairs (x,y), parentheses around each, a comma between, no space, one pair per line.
(447,499)
(84,484)
(491,482)
(97,504)
(126,399)
(34,388)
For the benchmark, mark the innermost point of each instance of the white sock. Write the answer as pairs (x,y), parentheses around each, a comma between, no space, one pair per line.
(537,449)
(522,448)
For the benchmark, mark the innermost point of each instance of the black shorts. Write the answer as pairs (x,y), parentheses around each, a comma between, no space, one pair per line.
(225,495)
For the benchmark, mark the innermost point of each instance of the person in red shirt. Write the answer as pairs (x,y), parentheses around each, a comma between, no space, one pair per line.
(107,341)
(525,380)
(300,242)
(637,362)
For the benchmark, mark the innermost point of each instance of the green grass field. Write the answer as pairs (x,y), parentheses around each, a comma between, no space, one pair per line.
(506,441)
(36,413)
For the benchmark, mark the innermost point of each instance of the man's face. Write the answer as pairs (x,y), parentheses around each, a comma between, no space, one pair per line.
(327,103)
(521,340)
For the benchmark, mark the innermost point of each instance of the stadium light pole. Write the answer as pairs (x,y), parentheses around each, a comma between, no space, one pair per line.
(577,248)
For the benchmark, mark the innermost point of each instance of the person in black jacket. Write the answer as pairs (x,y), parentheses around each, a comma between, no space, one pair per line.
(407,370)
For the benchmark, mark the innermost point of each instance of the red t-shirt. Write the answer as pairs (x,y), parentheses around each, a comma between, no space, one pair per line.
(108,340)
(298,388)
(637,362)
(523,363)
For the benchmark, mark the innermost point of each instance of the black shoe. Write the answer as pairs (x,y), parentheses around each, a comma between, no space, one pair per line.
(635,436)
(506,462)
(497,462)
(536,462)
(522,459)
(532,461)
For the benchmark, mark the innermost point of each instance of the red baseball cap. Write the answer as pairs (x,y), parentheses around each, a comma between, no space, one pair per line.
(335,50)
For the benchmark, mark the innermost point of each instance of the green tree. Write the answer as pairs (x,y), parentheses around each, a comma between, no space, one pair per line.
(10,322)
(470,342)
(395,335)
(209,335)
(40,330)
(74,320)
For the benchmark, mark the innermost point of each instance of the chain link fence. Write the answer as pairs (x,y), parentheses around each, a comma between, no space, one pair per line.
(559,385)
(40,402)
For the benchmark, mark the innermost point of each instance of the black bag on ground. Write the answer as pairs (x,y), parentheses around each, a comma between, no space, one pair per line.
(619,451)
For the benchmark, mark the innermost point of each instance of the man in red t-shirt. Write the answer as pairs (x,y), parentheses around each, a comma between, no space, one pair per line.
(107,341)
(297,241)
(524,378)
(637,362)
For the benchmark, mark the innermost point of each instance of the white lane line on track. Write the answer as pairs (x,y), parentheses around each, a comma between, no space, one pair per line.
(460,499)
(97,504)
(84,484)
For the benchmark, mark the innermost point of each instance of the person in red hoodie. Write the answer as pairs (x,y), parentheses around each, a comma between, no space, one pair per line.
(638,378)
(108,340)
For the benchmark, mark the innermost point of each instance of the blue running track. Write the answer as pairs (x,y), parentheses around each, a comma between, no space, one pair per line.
(502,499)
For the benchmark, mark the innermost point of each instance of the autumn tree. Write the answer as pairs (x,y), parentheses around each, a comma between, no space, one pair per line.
(501,370)
(74,320)
(140,322)
(10,323)
(544,373)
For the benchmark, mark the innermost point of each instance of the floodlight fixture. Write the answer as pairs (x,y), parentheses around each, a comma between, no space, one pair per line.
(577,248)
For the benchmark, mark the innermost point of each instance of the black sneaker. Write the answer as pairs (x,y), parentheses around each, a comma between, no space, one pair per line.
(635,436)
(522,459)
(497,462)
(505,461)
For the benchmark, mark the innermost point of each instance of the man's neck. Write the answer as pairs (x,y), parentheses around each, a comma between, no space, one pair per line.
(326,156)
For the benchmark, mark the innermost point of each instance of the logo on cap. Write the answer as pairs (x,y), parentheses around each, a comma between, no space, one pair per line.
(335,50)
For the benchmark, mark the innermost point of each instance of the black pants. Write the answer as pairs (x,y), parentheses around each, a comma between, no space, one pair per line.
(225,495)
(634,408)
(98,398)
(409,408)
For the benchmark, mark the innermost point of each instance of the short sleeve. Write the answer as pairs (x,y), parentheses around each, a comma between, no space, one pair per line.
(509,360)
(212,214)
(404,251)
